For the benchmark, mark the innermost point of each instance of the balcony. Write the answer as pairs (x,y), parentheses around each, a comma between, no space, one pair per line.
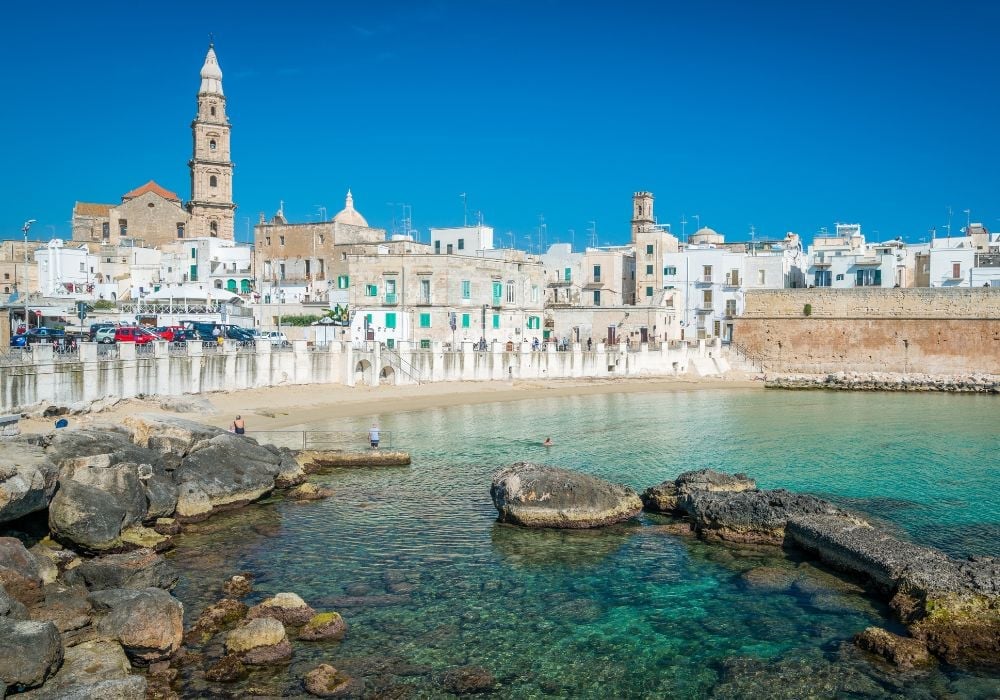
(704,309)
(732,281)
(497,300)
(704,280)
(868,260)
(391,299)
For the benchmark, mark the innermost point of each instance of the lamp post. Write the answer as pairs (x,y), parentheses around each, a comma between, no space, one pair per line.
(24,275)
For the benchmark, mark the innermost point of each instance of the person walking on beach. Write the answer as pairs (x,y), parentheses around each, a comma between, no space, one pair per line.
(590,344)
(239,427)
(373,436)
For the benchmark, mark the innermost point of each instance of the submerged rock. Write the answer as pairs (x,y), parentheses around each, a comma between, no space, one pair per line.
(329,625)
(216,616)
(30,652)
(900,651)
(260,641)
(238,585)
(325,681)
(310,492)
(228,669)
(464,680)
(535,495)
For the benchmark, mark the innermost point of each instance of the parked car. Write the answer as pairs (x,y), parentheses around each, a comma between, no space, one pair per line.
(44,335)
(277,338)
(135,334)
(94,327)
(105,335)
(240,334)
(170,333)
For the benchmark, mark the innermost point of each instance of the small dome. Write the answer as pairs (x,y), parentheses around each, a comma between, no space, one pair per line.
(211,73)
(349,215)
(706,231)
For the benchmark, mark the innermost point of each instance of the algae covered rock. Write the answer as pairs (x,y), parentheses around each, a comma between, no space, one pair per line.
(329,625)
(288,608)
(325,681)
(260,641)
(900,651)
(535,495)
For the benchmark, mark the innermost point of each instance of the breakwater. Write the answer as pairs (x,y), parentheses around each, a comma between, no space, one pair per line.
(887,381)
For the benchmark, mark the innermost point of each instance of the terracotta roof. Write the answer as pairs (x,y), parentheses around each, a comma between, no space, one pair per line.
(91,209)
(151,187)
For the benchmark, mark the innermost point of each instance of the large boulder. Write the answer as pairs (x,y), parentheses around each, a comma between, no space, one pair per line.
(142,568)
(84,667)
(169,434)
(27,480)
(129,688)
(149,623)
(260,641)
(86,517)
(535,495)
(224,471)
(30,652)
(66,607)
(668,496)
(323,626)
(11,607)
(20,573)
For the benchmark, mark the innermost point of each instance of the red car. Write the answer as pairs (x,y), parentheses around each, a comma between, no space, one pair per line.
(135,334)
(170,333)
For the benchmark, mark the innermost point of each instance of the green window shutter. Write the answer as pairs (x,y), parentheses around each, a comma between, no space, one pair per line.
(390,320)
(568,274)
(390,343)
(425,344)
(194,273)
(649,269)
(343,282)
(649,249)
(496,320)
(466,289)
(497,289)
(649,291)
(425,320)
(465,320)
(368,319)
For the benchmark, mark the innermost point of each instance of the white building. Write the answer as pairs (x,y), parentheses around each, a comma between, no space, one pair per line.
(462,240)
(216,262)
(66,270)
(964,262)
(844,260)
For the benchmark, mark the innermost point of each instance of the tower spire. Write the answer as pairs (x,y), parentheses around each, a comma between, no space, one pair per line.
(211,73)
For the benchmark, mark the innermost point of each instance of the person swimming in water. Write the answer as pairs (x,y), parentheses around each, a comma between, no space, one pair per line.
(548,442)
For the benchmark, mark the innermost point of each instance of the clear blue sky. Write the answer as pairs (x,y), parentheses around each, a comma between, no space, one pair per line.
(784,115)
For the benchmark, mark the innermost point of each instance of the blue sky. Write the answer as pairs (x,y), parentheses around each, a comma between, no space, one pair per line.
(781,115)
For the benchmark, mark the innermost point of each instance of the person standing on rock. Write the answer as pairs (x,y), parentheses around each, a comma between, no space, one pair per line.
(239,427)
(373,436)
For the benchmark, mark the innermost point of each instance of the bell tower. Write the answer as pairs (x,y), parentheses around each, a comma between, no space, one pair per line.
(642,213)
(211,206)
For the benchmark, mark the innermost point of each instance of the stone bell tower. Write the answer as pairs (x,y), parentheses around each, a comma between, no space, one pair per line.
(642,213)
(211,206)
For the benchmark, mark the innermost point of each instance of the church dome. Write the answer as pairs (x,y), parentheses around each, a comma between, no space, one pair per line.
(706,235)
(349,215)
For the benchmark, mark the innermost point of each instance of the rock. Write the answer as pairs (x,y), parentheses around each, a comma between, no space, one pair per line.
(161,492)
(84,666)
(66,606)
(667,497)
(260,641)
(661,498)
(168,433)
(145,538)
(142,568)
(899,651)
(770,578)
(468,679)
(535,495)
(238,585)
(46,559)
(290,472)
(228,669)
(27,480)
(167,526)
(20,574)
(11,607)
(30,652)
(129,688)
(214,618)
(328,625)
(149,622)
(287,608)
(325,681)
(187,404)
(309,492)
(86,517)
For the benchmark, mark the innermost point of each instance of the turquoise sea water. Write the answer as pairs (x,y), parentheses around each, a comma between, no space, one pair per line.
(428,581)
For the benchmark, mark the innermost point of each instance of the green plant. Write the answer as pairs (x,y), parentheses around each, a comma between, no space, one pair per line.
(807,309)
(303,320)
(104,305)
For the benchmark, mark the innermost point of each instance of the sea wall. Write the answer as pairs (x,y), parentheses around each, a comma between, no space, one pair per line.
(124,371)
(929,331)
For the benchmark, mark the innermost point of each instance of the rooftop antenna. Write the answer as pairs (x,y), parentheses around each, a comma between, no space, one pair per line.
(684,223)
(211,40)
(392,209)
(510,234)
(541,232)
(593,234)
(948,225)
(465,209)
(968,221)
(697,223)
(572,239)
(322,211)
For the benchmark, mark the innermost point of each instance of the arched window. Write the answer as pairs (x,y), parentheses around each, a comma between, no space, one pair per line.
(213,110)
(231,286)
(211,145)
(245,286)
(213,228)
(213,181)
(218,284)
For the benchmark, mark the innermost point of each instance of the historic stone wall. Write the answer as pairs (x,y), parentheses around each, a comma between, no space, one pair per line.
(931,331)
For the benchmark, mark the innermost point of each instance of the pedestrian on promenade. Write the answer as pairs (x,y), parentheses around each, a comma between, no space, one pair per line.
(590,344)
(373,436)
(239,427)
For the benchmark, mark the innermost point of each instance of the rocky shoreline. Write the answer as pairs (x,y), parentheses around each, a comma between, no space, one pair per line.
(887,381)
(85,603)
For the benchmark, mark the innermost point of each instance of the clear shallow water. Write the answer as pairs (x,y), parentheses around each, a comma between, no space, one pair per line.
(427,580)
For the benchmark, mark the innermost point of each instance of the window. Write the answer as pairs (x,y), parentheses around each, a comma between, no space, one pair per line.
(371,290)
(105,230)
(281,271)
(761,277)
(368,320)
(534,322)
(497,292)
(734,278)
(343,282)
(821,278)
(193,273)
(869,278)
(425,344)
(390,320)
(465,320)
(649,249)
(461,244)
(466,289)
(213,228)
(534,293)
(425,291)
(281,240)
(450,249)
(308,269)
(194,252)
(597,273)
(706,299)
(597,297)
(730,307)
(321,239)
(568,274)
(956,270)
(425,320)
(706,273)
(496,320)
(670,271)
(390,343)
(390,286)
(180,230)
(213,181)
(840,278)
(510,291)
(123,227)
(649,269)
(212,110)
(649,291)
(211,145)
(83,267)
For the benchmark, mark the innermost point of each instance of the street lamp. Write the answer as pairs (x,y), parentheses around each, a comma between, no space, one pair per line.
(25,229)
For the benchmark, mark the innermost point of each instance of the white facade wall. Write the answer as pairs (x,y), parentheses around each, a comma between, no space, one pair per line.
(66,271)
(952,261)
(461,240)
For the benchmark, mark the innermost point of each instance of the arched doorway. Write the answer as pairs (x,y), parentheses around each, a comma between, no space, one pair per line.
(387,375)
(361,371)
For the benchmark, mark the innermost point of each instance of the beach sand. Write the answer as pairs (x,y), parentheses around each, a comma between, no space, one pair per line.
(275,408)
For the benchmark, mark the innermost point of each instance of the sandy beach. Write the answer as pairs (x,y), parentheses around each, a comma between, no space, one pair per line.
(275,408)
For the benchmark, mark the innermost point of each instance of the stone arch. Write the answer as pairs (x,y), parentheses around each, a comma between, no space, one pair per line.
(387,375)
(361,372)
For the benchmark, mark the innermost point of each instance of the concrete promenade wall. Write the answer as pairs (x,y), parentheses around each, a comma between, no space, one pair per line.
(45,377)
(926,331)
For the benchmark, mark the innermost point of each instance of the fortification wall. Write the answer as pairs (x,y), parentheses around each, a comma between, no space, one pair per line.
(929,331)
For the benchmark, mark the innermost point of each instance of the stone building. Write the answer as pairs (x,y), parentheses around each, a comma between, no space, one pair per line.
(18,273)
(651,243)
(153,216)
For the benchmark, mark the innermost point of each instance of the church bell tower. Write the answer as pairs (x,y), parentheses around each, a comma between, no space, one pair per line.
(211,206)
